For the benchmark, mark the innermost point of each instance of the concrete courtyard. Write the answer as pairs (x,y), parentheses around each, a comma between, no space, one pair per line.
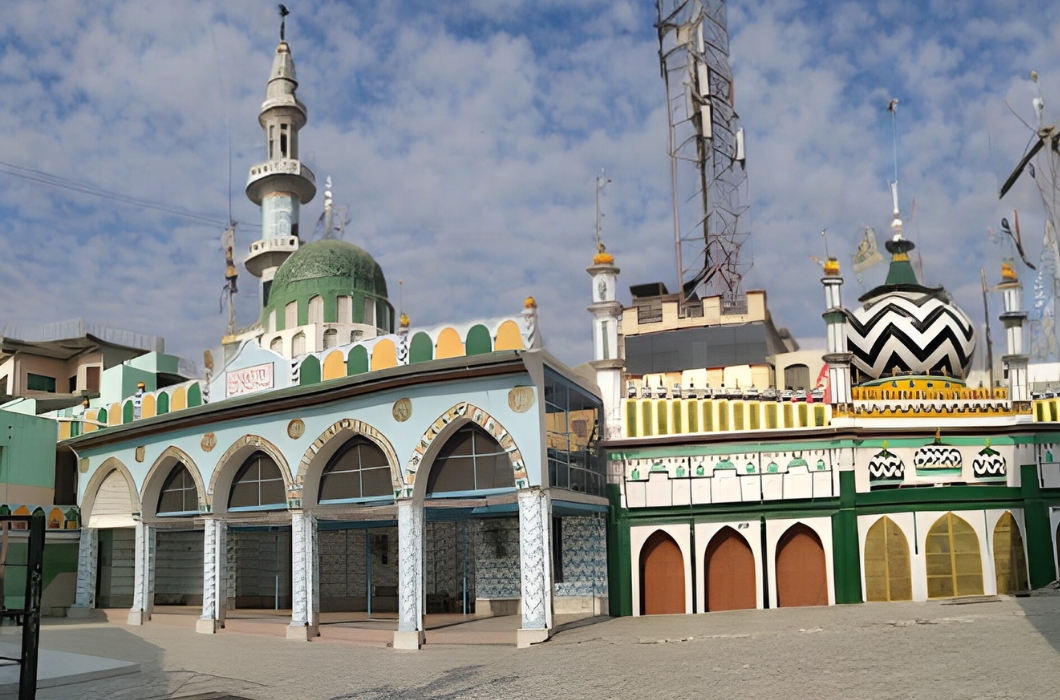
(995,647)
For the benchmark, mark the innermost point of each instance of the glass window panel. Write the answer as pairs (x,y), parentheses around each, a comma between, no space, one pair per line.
(171,502)
(376,482)
(272,492)
(372,456)
(244,495)
(340,485)
(455,474)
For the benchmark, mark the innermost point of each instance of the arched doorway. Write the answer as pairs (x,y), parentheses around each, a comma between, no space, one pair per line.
(178,545)
(954,566)
(262,553)
(111,514)
(887,571)
(662,576)
(802,578)
(1010,565)
(730,573)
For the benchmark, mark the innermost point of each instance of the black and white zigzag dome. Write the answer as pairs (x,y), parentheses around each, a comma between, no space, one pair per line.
(904,326)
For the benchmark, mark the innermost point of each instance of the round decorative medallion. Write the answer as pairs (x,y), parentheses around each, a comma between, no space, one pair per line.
(295,429)
(209,441)
(402,410)
(521,399)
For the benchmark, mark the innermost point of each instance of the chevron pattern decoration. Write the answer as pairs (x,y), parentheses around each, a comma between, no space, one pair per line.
(911,331)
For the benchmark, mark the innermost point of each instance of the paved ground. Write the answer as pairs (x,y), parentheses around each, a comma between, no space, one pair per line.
(1008,648)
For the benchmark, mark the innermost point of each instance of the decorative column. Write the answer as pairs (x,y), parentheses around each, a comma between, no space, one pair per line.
(214,577)
(837,357)
(305,583)
(409,633)
(143,575)
(87,560)
(607,356)
(535,567)
(1015,361)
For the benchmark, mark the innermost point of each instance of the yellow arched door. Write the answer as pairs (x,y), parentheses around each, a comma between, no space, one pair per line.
(887,572)
(954,566)
(1010,565)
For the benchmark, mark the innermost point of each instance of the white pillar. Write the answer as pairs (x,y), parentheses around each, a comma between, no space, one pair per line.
(409,633)
(305,578)
(87,560)
(535,567)
(214,577)
(143,575)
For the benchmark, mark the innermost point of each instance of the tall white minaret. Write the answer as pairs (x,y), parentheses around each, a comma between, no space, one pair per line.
(607,315)
(281,184)
(835,318)
(1015,360)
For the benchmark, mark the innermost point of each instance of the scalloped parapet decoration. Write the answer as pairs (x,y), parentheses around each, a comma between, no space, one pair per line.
(989,464)
(885,467)
(938,460)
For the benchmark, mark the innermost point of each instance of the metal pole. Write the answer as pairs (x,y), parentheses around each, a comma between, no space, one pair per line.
(368,569)
(27,682)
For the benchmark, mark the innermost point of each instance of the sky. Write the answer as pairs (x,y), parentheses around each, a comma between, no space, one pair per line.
(465,137)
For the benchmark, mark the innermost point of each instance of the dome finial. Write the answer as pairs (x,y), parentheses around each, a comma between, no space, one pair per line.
(283,21)
(602,257)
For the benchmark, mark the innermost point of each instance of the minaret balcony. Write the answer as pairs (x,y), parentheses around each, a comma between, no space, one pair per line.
(281,175)
(269,253)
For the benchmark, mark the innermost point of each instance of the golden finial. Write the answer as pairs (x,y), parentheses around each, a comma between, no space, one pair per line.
(530,303)
(831,267)
(938,435)
(404,320)
(1008,272)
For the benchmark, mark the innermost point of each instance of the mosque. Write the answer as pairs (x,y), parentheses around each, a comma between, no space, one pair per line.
(328,466)
(340,462)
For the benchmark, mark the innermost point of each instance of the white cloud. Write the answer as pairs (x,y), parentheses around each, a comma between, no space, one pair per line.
(465,139)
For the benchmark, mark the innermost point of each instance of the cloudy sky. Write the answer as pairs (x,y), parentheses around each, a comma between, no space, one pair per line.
(464,138)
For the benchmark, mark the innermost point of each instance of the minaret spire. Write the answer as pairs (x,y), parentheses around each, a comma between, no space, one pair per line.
(282,183)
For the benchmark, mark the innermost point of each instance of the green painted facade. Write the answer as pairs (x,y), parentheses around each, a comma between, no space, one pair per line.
(27,450)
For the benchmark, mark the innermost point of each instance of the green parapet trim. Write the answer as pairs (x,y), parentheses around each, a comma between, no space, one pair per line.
(127,412)
(619,562)
(935,497)
(1038,535)
(194,395)
(162,405)
(309,371)
(846,555)
(357,361)
(421,349)
(720,512)
(478,341)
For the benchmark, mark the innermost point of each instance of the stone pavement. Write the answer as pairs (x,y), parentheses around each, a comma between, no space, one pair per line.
(997,648)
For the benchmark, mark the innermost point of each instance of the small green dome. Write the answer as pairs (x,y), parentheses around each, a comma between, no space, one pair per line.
(332,259)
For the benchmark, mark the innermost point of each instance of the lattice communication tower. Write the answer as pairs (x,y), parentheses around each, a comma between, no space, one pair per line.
(706,147)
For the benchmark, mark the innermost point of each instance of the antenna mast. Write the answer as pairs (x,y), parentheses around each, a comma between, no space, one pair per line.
(602,181)
(706,148)
(228,242)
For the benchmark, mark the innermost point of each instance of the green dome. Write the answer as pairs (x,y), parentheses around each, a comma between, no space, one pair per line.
(329,269)
(332,259)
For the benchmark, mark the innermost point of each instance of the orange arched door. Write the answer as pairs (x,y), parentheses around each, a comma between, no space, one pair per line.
(730,573)
(801,575)
(662,576)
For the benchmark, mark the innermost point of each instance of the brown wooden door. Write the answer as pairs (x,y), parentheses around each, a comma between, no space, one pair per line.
(730,573)
(801,575)
(662,576)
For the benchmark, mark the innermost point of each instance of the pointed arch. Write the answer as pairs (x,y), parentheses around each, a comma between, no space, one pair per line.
(802,575)
(309,371)
(233,458)
(110,466)
(431,442)
(384,354)
(662,576)
(160,471)
(163,402)
(357,361)
(449,344)
(478,340)
(334,365)
(194,395)
(509,337)
(1010,563)
(312,464)
(888,575)
(421,349)
(954,564)
(729,573)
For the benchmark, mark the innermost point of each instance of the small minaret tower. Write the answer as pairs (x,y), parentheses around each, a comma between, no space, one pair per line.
(835,318)
(1015,361)
(281,184)
(607,314)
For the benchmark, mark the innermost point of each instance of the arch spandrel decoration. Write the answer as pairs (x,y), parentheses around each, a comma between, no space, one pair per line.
(233,458)
(446,424)
(160,470)
(336,435)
